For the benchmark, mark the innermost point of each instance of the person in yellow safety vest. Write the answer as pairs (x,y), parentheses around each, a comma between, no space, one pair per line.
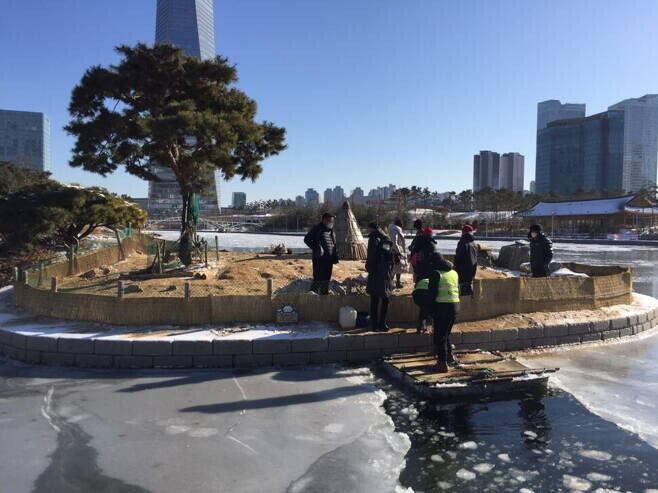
(424,301)
(444,286)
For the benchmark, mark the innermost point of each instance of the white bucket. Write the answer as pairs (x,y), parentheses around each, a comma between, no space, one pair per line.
(347,317)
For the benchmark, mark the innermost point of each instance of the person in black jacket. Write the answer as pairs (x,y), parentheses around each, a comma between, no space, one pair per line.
(422,248)
(379,264)
(541,251)
(322,242)
(466,260)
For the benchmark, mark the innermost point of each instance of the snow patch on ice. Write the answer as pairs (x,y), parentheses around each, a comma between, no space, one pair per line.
(436,458)
(597,476)
(596,455)
(483,468)
(465,474)
(504,457)
(468,445)
(575,483)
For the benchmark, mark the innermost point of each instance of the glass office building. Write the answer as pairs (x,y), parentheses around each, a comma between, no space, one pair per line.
(640,141)
(25,139)
(189,24)
(581,154)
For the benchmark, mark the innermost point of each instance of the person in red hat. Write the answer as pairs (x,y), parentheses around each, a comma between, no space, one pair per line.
(466,260)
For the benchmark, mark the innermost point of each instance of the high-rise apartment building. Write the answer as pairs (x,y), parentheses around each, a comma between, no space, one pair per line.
(327,197)
(486,170)
(239,200)
(358,196)
(512,166)
(189,24)
(300,201)
(491,170)
(312,197)
(25,139)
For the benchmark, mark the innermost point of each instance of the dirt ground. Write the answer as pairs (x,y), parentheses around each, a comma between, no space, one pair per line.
(235,273)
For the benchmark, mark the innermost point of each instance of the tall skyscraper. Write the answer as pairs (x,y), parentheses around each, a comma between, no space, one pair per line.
(581,154)
(511,171)
(25,139)
(337,195)
(486,171)
(613,150)
(553,109)
(189,24)
(640,141)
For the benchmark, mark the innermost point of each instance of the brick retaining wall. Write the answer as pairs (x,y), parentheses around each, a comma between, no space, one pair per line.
(357,348)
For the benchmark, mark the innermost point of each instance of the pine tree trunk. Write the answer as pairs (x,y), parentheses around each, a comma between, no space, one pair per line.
(185,243)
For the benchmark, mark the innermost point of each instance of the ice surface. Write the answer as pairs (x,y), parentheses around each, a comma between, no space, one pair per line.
(436,458)
(468,445)
(617,381)
(504,457)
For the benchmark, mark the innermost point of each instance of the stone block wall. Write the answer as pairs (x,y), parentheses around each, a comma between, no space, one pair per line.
(350,348)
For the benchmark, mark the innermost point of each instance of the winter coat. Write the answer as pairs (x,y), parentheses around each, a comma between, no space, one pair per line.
(379,264)
(466,258)
(541,252)
(397,237)
(422,247)
(322,242)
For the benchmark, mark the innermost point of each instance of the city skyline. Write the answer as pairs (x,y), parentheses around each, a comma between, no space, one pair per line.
(358,120)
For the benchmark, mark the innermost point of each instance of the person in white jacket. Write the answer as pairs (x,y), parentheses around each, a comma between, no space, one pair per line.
(397,237)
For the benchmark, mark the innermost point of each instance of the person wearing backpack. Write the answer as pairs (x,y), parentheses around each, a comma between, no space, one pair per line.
(444,289)
(422,248)
(380,264)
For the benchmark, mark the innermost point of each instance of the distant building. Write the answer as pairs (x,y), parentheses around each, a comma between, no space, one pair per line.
(613,150)
(328,197)
(189,24)
(25,139)
(239,200)
(581,154)
(486,171)
(640,141)
(300,201)
(380,194)
(553,109)
(337,195)
(532,186)
(357,196)
(511,171)
(312,197)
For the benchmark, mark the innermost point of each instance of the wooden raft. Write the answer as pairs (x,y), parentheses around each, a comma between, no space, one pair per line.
(478,374)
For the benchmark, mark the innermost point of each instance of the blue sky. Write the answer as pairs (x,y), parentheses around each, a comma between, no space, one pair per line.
(371,91)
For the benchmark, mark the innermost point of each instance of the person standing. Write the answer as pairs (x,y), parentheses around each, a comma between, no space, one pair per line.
(396,234)
(466,260)
(322,242)
(422,250)
(379,264)
(444,289)
(541,251)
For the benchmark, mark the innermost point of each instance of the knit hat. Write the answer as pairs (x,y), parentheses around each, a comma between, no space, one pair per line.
(428,231)
(467,228)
